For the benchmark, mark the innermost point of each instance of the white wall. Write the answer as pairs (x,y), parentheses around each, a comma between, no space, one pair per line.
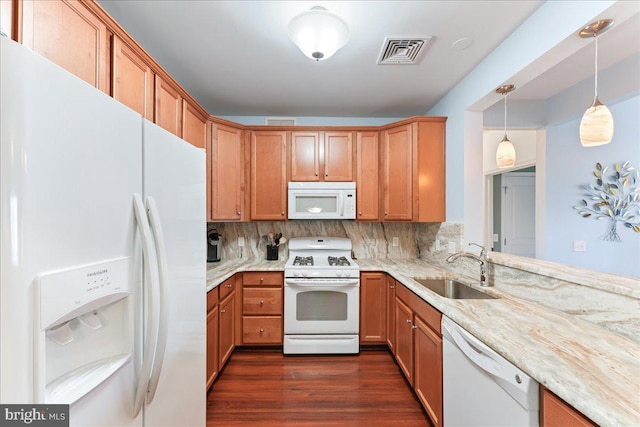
(569,166)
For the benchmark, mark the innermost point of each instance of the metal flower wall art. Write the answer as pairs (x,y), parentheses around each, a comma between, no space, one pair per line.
(614,197)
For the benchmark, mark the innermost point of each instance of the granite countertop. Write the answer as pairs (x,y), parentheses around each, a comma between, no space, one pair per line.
(591,368)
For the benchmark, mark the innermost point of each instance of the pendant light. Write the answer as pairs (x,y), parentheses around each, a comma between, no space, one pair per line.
(318,33)
(506,153)
(596,126)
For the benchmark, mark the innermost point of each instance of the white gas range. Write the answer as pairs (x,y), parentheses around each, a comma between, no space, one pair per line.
(321,297)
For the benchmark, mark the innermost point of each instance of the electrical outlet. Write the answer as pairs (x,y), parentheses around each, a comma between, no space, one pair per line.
(438,248)
(452,247)
(396,241)
(241,242)
(579,246)
(496,238)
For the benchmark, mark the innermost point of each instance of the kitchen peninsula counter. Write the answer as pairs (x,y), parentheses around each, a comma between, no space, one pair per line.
(591,368)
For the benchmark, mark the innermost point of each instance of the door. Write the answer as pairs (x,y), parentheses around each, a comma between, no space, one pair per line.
(68,210)
(174,176)
(367,183)
(227,168)
(428,370)
(404,339)
(518,214)
(373,301)
(268,175)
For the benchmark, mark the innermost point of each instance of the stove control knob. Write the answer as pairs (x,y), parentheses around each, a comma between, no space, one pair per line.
(339,273)
(305,273)
(347,274)
(296,273)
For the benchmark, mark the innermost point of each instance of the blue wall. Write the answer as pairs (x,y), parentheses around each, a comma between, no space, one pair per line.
(569,166)
(319,121)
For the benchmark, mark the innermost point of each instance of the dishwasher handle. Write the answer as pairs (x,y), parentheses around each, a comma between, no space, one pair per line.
(476,351)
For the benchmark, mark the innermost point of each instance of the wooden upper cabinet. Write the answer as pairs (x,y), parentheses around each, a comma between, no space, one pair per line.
(268,175)
(431,171)
(338,156)
(367,182)
(194,126)
(397,173)
(321,156)
(68,34)
(168,107)
(227,171)
(7,8)
(131,79)
(305,156)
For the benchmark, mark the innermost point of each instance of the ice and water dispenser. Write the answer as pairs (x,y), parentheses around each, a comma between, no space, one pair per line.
(83,328)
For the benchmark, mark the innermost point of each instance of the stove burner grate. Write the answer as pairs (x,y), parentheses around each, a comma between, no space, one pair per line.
(303,260)
(338,261)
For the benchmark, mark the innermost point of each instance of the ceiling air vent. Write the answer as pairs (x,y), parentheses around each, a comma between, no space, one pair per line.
(406,51)
(281,121)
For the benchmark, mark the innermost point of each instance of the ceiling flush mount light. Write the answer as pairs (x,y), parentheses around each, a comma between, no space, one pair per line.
(318,33)
(596,126)
(506,153)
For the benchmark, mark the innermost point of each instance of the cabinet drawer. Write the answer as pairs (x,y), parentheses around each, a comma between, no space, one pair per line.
(227,287)
(212,299)
(262,279)
(422,308)
(262,330)
(262,301)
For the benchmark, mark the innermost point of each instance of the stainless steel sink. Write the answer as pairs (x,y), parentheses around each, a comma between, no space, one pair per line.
(453,289)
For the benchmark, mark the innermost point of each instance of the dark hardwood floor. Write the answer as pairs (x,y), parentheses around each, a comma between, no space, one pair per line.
(264,387)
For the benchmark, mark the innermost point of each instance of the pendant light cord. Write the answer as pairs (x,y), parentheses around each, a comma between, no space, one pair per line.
(505,114)
(596,65)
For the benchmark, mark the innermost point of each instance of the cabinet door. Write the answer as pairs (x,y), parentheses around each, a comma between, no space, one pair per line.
(168,107)
(227,166)
(7,11)
(338,156)
(397,157)
(212,346)
(194,126)
(391,313)
(431,172)
(373,305)
(67,33)
(227,328)
(556,412)
(268,175)
(131,79)
(427,381)
(305,156)
(367,183)
(404,339)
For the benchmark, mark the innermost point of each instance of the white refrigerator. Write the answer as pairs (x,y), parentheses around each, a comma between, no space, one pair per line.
(102,251)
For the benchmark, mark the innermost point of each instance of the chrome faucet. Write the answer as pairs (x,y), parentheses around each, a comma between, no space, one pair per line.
(482,259)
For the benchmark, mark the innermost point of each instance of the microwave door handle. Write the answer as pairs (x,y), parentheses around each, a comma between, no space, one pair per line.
(341,201)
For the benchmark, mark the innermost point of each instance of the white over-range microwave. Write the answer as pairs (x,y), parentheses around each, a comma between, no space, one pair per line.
(322,200)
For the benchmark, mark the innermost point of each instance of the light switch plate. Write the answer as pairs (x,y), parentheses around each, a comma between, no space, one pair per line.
(496,238)
(579,246)
(452,247)
(396,241)
(241,242)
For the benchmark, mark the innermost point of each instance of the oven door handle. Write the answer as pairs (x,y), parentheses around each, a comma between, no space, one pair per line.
(323,283)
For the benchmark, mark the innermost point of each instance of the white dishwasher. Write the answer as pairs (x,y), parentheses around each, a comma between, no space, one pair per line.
(482,388)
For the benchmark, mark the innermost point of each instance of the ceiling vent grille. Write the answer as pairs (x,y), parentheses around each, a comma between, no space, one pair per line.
(404,51)
(281,121)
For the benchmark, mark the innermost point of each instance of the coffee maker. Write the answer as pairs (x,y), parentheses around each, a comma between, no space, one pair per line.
(213,245)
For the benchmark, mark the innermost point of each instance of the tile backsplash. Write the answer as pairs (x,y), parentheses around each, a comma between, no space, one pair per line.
(369,239)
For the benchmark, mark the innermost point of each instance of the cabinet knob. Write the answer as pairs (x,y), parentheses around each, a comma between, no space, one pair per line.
(392,287)
(326,174)
(386,213)
(414,327)
(223,311)
(238,213)
(229,286)
(282,213)
(261,330)
(261,302)
(262,279)
(360,213)
(316,173)
(408,320)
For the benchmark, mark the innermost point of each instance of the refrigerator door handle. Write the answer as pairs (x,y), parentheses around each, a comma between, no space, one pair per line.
(163,327)
(151,320)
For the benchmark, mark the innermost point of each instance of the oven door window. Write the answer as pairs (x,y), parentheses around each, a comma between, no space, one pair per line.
(321,305)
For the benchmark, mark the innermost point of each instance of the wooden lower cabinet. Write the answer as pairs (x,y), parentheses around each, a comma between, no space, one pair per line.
(418,349)
(262,308)
(373,305)
(555,412)
(391,313)
(227,307)
(212,337)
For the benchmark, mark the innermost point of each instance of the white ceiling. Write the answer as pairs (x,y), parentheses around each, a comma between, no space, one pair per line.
(235,57)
